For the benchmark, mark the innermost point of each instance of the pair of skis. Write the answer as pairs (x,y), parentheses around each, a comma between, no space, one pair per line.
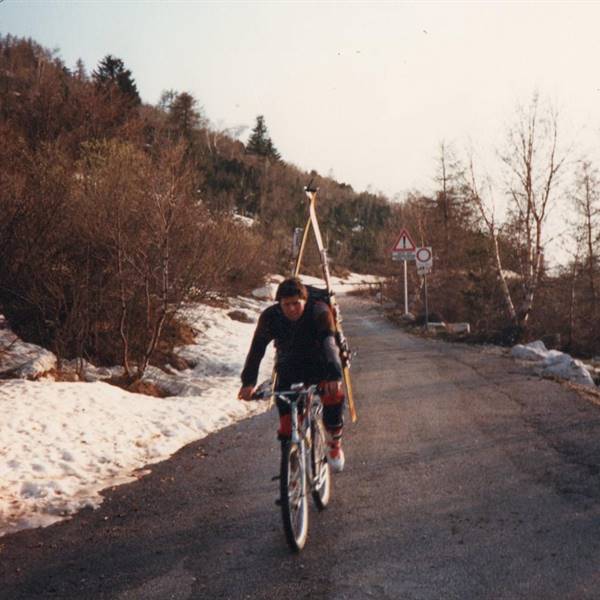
(313,222)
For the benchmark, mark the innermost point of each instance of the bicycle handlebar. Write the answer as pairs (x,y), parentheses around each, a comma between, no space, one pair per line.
(298,389)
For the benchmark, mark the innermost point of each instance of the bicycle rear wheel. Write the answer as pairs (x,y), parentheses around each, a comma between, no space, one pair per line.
(294,504)
(321,491)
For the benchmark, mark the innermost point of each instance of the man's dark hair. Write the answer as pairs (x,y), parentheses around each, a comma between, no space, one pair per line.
(291,287)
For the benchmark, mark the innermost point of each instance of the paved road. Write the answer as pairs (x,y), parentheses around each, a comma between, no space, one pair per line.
(466,478)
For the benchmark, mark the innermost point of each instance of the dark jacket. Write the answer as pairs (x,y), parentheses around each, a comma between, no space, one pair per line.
(306,350)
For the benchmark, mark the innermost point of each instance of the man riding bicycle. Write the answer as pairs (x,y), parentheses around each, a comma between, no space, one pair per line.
(303,330)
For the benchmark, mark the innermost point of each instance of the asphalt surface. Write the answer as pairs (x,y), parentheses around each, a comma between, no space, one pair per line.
(467,477)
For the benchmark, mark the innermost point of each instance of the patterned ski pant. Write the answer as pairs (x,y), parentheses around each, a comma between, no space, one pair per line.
(333,411)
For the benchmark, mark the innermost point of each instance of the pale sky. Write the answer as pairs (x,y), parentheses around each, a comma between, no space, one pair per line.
(362,91)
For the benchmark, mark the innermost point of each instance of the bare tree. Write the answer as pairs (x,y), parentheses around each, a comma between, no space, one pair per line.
(484,201)
(587,206)
(533,161)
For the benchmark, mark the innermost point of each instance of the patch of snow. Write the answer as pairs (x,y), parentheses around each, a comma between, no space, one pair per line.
(569,368)
(554,357)
(242,220)
(532,351)
(554,363)
(62,443)
(90,372)
(268,291)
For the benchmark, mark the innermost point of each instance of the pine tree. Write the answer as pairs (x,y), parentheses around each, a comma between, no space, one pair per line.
(260,142)
(80,70)
(111,71)
(184,115)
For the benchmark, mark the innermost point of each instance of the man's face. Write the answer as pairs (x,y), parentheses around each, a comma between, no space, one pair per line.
(292,307)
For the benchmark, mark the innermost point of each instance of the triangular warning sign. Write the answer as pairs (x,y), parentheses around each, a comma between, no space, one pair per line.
(404,243)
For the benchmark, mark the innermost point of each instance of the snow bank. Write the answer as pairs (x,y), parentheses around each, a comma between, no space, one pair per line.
(62,443)
(564,366)
(554,363)
(217,357)
(532,351)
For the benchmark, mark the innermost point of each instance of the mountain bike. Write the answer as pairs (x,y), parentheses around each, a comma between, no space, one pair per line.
(304,467)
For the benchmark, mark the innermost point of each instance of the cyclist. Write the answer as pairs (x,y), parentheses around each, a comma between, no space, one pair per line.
(303,330)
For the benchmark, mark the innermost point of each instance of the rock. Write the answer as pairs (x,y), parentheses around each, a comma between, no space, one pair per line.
(179,363)
(30,362)
(241,316)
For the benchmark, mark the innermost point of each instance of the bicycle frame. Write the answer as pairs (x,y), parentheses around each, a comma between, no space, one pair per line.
(293,398)
(310,468)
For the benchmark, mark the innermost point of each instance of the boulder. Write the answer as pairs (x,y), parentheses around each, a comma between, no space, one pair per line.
(241,316)
(19,359)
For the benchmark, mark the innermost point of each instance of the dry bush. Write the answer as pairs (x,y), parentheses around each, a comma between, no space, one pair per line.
(36,240)
(151,241)
(99,255)
(244,256)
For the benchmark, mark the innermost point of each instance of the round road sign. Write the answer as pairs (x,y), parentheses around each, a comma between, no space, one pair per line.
(423,254)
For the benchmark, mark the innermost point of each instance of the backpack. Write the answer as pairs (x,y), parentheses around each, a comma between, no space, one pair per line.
(317,294)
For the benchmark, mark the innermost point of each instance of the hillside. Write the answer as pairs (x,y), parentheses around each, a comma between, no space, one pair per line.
(114,212)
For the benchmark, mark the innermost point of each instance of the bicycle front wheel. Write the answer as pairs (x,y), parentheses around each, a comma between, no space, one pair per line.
(321,489)
(294,505)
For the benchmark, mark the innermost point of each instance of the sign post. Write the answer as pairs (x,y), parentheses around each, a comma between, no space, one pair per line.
(424,260)
(404,249)
(405,289)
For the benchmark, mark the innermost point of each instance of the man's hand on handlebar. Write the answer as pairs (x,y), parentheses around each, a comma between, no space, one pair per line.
(246,392)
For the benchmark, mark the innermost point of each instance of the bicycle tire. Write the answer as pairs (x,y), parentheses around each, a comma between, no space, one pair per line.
(320,467)
(294,503)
